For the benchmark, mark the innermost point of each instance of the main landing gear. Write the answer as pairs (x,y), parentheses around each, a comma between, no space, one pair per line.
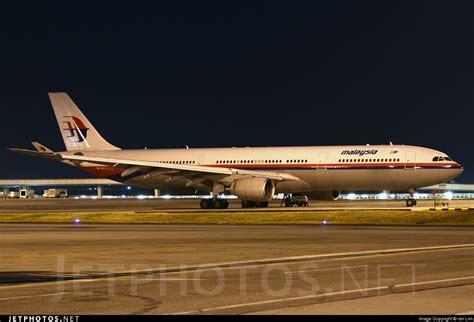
(411,201)
(254,204)
(214,203)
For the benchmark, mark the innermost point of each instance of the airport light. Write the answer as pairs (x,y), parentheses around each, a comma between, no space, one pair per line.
(77,220)
(325,222)
(351,196)
(382,195)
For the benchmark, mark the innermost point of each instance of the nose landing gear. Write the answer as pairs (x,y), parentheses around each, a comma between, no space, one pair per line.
(411,201)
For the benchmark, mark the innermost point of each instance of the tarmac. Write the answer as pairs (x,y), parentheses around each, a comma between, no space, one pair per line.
(214,269)
(192,205)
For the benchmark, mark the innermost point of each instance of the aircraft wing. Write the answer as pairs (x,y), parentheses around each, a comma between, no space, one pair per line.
(224,174)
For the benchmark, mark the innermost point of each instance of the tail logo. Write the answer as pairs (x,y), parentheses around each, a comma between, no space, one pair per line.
(75,128)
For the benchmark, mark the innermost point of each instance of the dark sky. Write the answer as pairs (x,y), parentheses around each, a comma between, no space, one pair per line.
(217,74)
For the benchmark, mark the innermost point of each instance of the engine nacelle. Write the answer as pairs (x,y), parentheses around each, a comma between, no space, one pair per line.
(253,189)
(324,195)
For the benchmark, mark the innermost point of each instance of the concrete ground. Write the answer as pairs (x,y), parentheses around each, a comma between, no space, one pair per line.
(445,301)
(180,205)
(163,269)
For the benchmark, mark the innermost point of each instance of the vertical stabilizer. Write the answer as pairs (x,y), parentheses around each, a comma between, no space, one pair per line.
(78,133)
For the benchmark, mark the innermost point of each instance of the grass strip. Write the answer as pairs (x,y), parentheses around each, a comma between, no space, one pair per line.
(343,217)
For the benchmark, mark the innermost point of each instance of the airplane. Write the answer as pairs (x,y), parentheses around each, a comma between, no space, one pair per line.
(255,174)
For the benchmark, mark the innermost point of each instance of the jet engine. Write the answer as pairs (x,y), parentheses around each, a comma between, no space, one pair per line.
(253,189)
(325,195)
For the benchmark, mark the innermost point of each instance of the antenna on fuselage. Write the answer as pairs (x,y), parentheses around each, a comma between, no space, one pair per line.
(187,147)
(390,142)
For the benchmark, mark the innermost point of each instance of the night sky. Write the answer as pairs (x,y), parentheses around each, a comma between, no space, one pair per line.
(220,74)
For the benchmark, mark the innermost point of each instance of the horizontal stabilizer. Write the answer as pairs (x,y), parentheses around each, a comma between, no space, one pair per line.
(41,148)
(47,154)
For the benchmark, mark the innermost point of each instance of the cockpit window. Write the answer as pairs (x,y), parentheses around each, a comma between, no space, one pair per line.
(442,159)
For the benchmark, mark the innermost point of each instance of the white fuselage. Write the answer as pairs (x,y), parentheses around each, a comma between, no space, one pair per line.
(320,168)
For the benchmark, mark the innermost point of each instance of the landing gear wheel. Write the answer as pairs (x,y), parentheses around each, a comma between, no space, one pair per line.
(411,202)
(207,204)
(221,204)
(254,204)
(247,204)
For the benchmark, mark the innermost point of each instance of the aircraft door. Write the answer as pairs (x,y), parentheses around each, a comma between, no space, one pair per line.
(201,159)
(322,159)
(410,160)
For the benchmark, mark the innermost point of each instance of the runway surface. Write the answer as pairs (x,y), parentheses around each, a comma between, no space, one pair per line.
(156,269)
(180,205)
